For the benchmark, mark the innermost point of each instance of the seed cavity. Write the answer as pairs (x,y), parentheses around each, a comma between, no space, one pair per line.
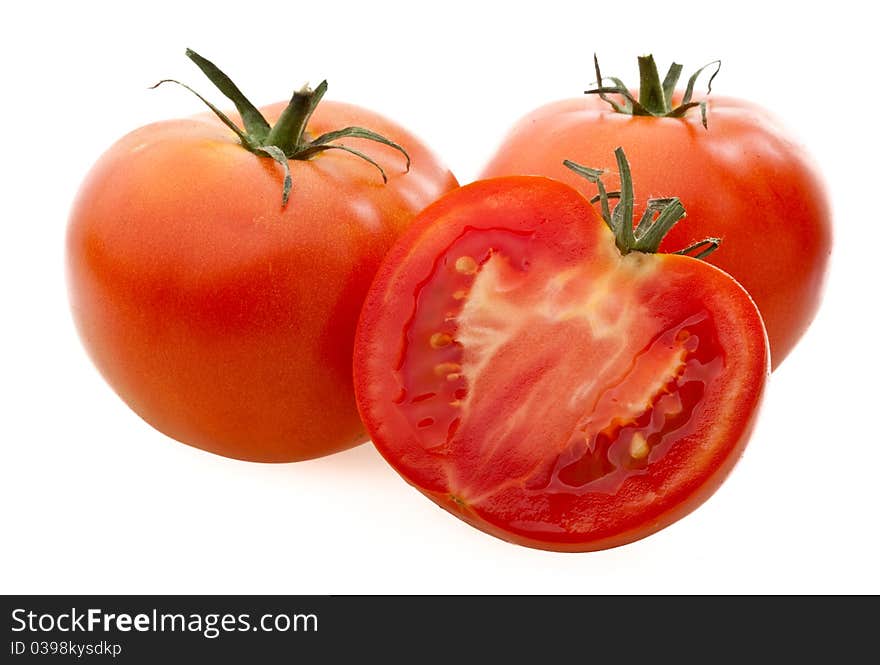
(461,294)
(425,422)
(440,339)
(466,265)
(455,376)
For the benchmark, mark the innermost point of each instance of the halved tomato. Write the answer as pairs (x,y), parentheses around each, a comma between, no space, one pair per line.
(518,368)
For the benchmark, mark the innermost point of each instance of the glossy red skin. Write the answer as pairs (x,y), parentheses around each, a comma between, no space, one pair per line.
(221,318)
(744,179)
(463,474)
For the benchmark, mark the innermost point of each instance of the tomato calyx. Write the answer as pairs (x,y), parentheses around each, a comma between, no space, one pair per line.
(660,214)
(655,98)
(288,138)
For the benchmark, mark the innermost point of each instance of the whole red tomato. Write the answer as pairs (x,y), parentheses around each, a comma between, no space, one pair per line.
(551,382)
(741,177)
(221,313)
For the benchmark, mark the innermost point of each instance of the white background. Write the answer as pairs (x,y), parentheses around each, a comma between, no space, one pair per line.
(93,500)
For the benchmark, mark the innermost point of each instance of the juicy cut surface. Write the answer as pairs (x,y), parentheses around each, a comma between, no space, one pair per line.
(537,380)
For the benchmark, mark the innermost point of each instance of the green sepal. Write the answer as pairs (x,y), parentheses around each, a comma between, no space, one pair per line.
(671,81)
(243,137)
(278,155)
(651,91)
(660,215)
(594,176)
(315,149)
(626,239)
(361,133)
(702,248)
(254,123)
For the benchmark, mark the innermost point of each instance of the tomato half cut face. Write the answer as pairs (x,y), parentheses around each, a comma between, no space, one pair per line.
(517,369)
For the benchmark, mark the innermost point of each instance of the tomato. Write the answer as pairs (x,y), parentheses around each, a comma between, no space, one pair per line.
(222,315)
(522,372)
(742,178)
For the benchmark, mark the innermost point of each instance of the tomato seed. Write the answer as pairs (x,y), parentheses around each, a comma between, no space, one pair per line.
(439,340)
(442,369)
(638,447)
(466,265)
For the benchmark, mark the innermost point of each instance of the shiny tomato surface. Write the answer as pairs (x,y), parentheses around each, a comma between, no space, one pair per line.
(221,317)
(520,371)
(743,179)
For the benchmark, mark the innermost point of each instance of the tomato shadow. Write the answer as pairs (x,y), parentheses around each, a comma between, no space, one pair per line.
(361,462)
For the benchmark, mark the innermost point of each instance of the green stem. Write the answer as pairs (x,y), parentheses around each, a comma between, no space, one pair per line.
(287,134)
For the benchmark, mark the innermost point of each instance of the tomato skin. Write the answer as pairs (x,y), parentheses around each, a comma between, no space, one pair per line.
(744,179)
(478,475)
(221,318)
